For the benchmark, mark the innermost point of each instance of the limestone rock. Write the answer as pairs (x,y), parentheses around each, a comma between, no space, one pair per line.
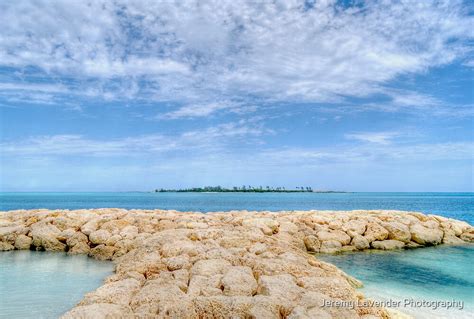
(239,281)
(398,231)
(118,292)
(102,252)
(388,244)
(76,238)
(23,242)
(100,311)
(354,227)
(335,235)
(210,267)
(425,236)
(280,286)
(99,237)
(330,246)
(6,246)
(79,249)
(375,232)
(45,236)
(312,243)
(268,225)
(360,242)
(468,236)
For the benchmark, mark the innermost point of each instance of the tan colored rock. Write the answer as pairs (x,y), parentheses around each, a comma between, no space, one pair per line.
(79,249)
(210,267)
(398,231)
(375,232)
(205,285)
(279,286)
(45,235)
(23,242)
(76,238)
(387,244)
(268,226)
(330,246)
(334,235)
(99,237)
(6,246)
(425,236)
(102,252)
(360,242)
(239,281)
(90,226)
(118,292)
(100,311)
(312,243)
(354,227)
(468,236)
(178,262)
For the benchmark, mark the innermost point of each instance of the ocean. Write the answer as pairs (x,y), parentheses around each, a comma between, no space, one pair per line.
(454,205)
(430,274)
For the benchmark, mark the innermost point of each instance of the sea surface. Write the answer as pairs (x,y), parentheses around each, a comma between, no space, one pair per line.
(50,284)
(412,277)
(46,284)
(455,205)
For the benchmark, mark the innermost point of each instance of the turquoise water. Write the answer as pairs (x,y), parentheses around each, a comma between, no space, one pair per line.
(45,285)
(50,284)
(435,273)
(455,205)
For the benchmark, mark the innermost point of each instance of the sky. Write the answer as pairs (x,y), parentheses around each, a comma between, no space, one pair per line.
(137,95)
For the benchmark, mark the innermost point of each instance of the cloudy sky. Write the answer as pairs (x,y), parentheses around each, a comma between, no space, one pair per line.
(137,95)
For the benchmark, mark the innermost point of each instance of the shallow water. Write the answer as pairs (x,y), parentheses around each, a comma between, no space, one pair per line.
(455,205)
(441,273)
(46,285)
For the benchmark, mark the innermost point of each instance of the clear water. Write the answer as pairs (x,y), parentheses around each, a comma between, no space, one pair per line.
(46,285)
(435,273)
(52,285)
(455,205)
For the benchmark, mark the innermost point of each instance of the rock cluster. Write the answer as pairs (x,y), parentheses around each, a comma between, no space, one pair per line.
(234,264)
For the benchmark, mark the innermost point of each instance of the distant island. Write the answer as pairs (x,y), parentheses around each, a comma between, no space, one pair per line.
(244,189)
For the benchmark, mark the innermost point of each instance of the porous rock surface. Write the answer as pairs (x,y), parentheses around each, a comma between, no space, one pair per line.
(234,264)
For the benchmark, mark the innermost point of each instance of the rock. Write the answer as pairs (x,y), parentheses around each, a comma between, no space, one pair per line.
(388,244)
(330,246)
(360,242)
(335,235)
(239,281)
(129,232)
(118,292)
(23,242)
(79,249)
(100,311)
(312,243)
(102,252)
(99,237)
(268,225)
(45,235)
(65,234)
(468,236)
(280,286)
(113,240)
(354,227)
(6,246)
(398,231)
(76,238)
(90,226)
(258,248)
(210,267)
(178,262)
(375,232)
(205,285)
(426,236)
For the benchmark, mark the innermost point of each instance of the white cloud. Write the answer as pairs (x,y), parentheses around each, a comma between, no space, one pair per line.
(201,53)
(373,137)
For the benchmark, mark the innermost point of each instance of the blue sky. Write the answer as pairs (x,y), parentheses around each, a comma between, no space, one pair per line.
(136,95)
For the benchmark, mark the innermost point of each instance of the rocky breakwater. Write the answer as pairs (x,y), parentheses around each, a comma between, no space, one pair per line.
(234,264)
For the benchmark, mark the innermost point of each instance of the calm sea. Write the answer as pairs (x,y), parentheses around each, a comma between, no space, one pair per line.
(455,205)
(433,274)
